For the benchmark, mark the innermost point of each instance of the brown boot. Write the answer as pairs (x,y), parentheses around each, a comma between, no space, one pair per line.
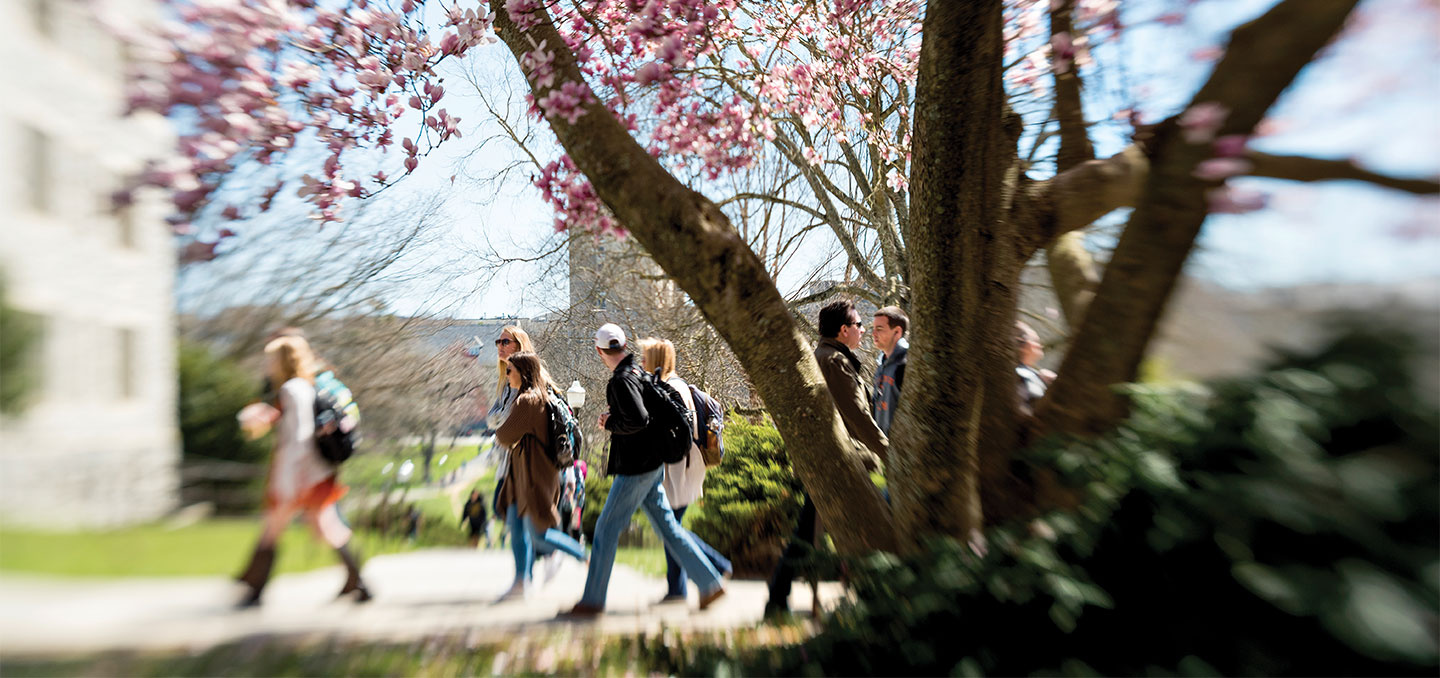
(257,574)
(353,582)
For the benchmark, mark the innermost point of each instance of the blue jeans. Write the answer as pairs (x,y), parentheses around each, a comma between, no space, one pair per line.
(524,543)
(643,491)
(675,574)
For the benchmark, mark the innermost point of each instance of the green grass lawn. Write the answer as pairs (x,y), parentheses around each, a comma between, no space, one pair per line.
(650,561)
(367,469)
(214,547)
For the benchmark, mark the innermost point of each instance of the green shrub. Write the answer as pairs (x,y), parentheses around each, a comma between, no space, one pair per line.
(212,391)
(1284,524)
(751,500)
(19,358)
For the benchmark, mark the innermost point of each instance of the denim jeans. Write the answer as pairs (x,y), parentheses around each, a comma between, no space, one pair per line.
(675,574)
(643,491)
(524,543)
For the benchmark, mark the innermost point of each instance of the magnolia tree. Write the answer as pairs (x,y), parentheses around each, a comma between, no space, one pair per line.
(905,121)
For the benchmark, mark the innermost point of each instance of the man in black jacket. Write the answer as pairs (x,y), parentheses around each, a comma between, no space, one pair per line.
(638,470)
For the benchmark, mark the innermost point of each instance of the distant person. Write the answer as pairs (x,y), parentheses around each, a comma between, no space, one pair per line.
(532,488)
(412,524)
(684,480)
(840,334)
(299,480)
(636,469)
(891,326)
(478,518)
(1034,380)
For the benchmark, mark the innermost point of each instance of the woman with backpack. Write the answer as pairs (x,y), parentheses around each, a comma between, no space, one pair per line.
(532,485)
(300,480)
(684,480)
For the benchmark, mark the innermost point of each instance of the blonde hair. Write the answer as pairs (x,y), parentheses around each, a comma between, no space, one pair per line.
(294,357)
(658,354)
(526,346)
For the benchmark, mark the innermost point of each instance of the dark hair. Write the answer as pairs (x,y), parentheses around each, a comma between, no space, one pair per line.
(528,365)
(614,350)
(834,316)
(895,317)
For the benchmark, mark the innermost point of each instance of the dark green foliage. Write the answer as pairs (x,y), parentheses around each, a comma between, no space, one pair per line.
(1284,524)
(19,356)
(212,391)
(751,500)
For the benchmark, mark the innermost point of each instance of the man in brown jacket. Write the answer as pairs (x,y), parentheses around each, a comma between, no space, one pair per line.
(840,334)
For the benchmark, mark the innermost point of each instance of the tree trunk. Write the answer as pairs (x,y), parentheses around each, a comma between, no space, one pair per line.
(1262,60)
(964,273)
(694,242)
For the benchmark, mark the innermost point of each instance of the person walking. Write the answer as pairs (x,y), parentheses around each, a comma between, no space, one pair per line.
(684,480)
(1033,379)
(891,326)
(636,467)
(532,487)
(299,479)
(840,335)
(475,514)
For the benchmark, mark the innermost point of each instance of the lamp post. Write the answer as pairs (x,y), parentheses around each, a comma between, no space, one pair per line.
(575,396)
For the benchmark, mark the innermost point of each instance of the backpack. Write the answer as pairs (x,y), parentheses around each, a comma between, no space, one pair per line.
(711,418)
(565,437)
(337,419)
(672,424)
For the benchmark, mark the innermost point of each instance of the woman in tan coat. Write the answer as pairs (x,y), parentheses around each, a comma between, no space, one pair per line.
(532,484)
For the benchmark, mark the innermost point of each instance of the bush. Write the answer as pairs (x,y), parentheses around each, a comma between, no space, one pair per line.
(19,358)
(212,391)
(1283,524)
(751,500)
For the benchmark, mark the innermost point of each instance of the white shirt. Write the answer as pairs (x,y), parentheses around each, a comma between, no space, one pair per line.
(685,479)
(298,465)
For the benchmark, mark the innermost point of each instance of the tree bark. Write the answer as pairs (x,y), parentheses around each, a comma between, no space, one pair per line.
(964,274)
(1263,58)
(1072,269)
(694,242)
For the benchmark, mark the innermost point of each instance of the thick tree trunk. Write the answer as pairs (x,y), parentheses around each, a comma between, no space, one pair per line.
(1263,59)
(964,271)
(693,241)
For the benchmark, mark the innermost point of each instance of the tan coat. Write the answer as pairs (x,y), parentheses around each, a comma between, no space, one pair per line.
(852,395)
(532,483)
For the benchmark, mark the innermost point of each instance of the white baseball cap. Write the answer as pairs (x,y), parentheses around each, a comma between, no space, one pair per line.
(609,336)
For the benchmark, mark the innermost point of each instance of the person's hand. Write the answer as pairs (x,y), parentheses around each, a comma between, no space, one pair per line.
(256,419)
(604,417)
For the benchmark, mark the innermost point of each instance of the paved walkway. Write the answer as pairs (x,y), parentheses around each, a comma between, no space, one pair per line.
(417,594)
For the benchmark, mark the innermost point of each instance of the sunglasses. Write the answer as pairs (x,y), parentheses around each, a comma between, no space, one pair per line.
(504,342)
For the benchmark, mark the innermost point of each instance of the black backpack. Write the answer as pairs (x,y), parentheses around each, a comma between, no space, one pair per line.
(564,432)
(672,424)
(337,419)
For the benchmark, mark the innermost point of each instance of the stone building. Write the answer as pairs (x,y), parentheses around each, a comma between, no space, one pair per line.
(98,443)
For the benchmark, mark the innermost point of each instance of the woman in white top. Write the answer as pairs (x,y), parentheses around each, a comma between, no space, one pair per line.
(300,480)
(684,480)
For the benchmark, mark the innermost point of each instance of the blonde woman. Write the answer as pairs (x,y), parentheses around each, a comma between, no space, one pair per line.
(300,480)
(532,488)
(684,480)
(512,340)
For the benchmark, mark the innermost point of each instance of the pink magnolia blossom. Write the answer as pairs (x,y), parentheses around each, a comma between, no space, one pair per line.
(1231,146)
(1220,169)
(1201,121)
(1227,200)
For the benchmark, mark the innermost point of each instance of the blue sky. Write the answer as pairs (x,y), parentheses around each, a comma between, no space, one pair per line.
(1333,231)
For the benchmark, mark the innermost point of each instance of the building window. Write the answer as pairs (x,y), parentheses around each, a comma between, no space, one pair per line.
(37,161)
(126,345)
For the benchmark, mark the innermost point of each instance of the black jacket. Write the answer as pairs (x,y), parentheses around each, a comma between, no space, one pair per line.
(631,450)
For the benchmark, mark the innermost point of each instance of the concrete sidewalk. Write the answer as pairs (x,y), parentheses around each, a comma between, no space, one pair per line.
(417,594)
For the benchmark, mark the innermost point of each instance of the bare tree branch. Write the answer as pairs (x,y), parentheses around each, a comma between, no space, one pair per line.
(1302,168)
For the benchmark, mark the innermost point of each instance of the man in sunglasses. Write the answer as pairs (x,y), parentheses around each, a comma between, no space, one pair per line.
(840,335)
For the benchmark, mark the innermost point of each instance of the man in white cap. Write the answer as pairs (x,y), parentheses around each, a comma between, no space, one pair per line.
(637,470)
